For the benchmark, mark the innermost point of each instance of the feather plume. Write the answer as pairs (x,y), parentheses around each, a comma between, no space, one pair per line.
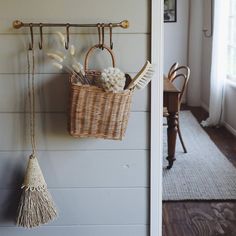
(78,68)
(72,50)
(62,38)
(56,57)
(58,65)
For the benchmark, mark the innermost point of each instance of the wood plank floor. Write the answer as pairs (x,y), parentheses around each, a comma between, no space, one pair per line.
(204,218)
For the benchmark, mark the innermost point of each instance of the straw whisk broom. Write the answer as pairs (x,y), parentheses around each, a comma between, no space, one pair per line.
(36,205)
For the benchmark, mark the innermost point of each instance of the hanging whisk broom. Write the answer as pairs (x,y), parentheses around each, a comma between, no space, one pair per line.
(36,206)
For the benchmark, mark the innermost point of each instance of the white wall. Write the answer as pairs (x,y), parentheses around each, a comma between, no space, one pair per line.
(206,72)
(206,55)
(176,37)
(195,53)
(100,187)
(229,108)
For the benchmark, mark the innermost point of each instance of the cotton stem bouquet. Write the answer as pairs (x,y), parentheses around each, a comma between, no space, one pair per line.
(67,61)
(111,79)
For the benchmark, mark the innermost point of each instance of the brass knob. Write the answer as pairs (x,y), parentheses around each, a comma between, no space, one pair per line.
(17,24)
(124,24)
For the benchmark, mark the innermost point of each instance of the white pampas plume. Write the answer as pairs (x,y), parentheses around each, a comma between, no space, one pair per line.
(72,50)
(58,65)
(56,57)
(78,68)
(62,38)
(61,54)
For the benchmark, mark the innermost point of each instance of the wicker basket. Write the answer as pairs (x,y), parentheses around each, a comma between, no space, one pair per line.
(95,113)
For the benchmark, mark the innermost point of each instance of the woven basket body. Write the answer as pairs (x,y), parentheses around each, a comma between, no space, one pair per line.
(94,112)
(99,114)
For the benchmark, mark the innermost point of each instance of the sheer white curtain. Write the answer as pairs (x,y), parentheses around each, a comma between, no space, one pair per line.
(219,62)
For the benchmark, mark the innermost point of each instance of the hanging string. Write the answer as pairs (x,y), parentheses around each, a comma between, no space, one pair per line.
(31,97)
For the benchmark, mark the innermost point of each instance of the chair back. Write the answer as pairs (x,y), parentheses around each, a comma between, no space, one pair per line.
(181,73)
(172,68)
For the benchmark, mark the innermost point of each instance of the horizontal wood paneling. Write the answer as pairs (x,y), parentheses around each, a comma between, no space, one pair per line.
(130,51)
(101,187)
(74,11)
(71,169)
(99,206)
(52,133)
(51,93)
(86,230)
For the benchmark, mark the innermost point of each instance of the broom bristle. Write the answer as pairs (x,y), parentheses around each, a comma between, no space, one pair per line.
(36,207)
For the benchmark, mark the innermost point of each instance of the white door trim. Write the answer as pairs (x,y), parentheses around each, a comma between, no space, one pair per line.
(156,119)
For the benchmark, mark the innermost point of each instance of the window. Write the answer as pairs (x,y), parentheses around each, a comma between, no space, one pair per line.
(231,70)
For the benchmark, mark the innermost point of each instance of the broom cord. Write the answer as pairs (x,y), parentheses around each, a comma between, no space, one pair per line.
(31,96)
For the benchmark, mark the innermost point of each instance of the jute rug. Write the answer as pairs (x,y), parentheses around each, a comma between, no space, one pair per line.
(203,173)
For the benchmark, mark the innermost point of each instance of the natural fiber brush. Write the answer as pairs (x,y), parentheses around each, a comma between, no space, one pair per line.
(36,206)
(143,77)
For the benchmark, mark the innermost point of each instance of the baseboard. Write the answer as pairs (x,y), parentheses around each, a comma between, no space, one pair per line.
(229,128)
(205,106)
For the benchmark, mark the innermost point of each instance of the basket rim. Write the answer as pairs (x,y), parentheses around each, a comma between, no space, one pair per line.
(126,91)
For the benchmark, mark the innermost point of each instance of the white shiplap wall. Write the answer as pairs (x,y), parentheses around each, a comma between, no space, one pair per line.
(100,187)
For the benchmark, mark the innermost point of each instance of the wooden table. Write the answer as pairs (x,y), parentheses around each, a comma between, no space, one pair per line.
(171,101)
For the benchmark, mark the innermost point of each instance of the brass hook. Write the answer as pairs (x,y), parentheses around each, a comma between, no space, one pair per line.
(110,29)
(99,34)
(67,36)
(31,45)
(103,35)
(41,36)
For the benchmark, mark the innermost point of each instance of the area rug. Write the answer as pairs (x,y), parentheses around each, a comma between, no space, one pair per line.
(203,173)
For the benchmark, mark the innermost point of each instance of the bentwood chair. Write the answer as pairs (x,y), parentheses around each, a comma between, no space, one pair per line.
(169,77)
(172,68)
(180,75)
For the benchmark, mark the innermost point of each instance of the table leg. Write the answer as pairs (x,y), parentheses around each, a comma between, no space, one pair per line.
(172,122)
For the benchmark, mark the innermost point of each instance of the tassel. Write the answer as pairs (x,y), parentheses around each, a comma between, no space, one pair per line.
(36,206)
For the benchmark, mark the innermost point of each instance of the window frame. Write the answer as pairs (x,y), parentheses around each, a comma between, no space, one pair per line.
(157,9)
(231,44)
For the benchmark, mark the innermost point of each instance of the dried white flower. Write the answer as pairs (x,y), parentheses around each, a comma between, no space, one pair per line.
(78,68)
(66,60)
(61,54)
(112,79)
(72,50)
(58,65)
(56,57)
(62,38)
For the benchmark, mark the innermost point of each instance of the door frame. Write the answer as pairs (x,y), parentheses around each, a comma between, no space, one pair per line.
(156,118)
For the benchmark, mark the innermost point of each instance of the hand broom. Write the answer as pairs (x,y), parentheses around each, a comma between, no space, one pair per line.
(36,205)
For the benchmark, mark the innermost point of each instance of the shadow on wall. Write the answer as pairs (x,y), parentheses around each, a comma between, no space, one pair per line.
(10,197)
(52,93)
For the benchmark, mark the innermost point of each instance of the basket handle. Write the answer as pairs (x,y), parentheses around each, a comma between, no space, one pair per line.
(88,55)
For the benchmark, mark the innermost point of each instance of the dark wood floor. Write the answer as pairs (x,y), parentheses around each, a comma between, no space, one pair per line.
(204,218)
